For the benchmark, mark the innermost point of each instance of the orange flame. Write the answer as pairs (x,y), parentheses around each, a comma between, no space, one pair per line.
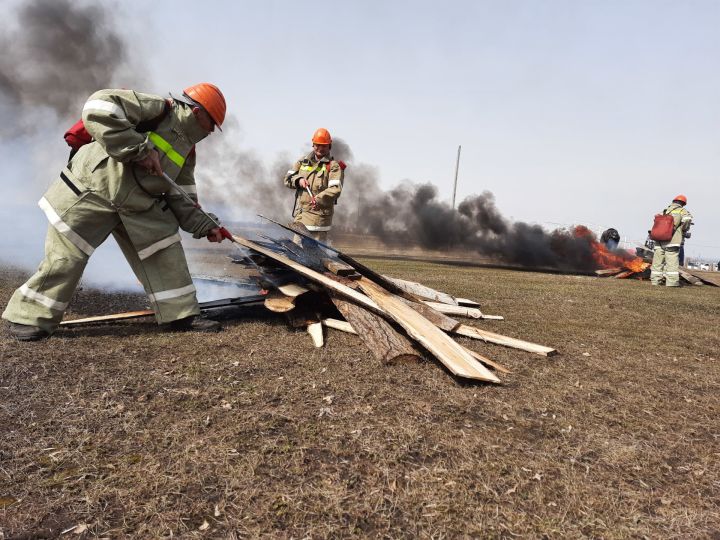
(609,259)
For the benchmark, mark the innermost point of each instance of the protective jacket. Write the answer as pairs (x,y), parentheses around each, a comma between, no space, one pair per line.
(102,191)
(325,178)
(682,219)
(666,255)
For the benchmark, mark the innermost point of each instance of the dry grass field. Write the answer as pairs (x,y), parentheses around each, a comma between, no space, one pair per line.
(126,431)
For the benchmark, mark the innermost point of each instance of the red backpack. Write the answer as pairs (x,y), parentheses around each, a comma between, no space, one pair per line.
(663,227)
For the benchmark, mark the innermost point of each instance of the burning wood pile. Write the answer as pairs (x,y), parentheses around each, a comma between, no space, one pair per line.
(317,286)
(619,264)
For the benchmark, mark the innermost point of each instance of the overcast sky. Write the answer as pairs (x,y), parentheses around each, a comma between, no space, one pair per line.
(592,112)
(595,112)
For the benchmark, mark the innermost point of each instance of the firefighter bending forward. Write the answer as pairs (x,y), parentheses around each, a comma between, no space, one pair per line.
(318,181)
(666,258)
(113,185)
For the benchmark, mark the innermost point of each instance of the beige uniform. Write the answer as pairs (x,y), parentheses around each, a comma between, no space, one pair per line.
(102,191)
(666,257)
(325,178)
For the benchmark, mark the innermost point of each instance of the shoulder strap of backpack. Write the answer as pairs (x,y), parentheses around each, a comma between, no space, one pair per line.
(153,123)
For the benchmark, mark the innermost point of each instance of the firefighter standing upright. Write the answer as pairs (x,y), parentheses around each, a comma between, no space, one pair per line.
(318,181)
(114,185)
(666,257)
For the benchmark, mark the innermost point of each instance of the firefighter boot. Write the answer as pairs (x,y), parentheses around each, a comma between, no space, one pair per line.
(26,332)
(196,323)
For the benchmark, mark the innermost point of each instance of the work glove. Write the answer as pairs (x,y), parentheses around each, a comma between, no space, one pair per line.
(203,232)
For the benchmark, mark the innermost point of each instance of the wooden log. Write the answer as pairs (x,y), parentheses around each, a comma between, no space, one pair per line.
(337,324)
(380,337)
(499,339)
(624,274)
(338,268)
(316,333)
(453,355)
(279,303)
(472,313)
(421,291)
(608,271)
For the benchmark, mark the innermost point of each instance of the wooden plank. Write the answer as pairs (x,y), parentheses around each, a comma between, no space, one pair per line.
(279,303)
(380,337)
(687,276)
(300,229)
(442,321)
(608,271)
(709,277)
(624,274)
(421,291)
(292,289)
(472,313)
(337,324)
(310,274)
(466,302)
(485,360)
(316,333)
(128,315)
(338,268)
(453,355)
(499,339)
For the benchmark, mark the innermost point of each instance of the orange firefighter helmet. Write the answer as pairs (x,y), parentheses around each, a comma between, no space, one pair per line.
(211,98)
(321,136)
(680,198)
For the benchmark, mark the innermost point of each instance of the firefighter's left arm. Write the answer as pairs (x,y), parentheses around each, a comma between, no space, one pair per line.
(190,217)
(685,221)
(336,177)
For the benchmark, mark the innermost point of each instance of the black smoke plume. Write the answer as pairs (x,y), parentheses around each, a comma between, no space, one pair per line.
(55,54)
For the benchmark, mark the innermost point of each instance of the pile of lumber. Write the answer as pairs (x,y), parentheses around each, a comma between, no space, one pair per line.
(316,286)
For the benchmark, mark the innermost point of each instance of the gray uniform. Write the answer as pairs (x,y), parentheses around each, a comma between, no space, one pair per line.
(666,257)
(325,178)
(102,191)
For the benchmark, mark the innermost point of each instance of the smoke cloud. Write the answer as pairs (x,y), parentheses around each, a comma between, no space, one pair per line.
(409,215)
(55,54)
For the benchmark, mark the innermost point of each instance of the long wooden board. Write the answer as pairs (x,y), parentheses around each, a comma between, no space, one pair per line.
(422,291)
(447,309)
(300,229)
(485,360)
(687,276)
(453,355)
(499,339)
(309,273)
(204,306)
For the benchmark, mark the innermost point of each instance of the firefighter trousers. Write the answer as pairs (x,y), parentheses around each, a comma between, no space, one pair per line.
(43,299)
(666,265)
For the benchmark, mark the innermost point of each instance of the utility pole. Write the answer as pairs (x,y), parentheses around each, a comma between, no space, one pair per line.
(457,167)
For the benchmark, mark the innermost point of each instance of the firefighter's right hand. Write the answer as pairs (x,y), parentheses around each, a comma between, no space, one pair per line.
(303,183)
(151,162)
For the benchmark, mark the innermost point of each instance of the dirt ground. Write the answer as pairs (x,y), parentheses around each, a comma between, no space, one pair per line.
(126,431)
